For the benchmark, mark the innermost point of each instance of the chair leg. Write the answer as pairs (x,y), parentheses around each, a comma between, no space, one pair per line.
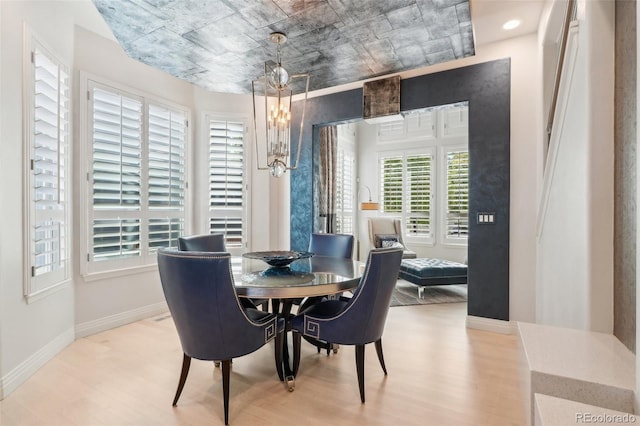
(360,369)
(278,353)
(297,340)
(186,362)
(226,369)
(380,355)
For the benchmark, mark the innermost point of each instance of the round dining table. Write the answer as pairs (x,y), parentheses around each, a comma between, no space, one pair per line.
(315,276)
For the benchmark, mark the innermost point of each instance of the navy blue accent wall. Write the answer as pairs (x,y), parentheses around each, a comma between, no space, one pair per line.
(322,110)
(486,87)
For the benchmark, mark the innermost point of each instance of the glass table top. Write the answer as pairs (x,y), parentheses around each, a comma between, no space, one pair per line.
(314,276)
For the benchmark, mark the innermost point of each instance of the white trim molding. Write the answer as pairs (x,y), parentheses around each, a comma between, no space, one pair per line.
(106,323)
(489,324)
(29,366)
(558,125)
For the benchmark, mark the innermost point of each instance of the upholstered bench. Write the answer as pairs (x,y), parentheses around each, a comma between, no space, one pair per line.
(427,272)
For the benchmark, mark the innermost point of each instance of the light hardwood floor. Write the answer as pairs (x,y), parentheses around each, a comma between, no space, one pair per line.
(440,373)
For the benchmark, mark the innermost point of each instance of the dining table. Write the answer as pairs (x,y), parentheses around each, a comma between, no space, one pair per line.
(306,277)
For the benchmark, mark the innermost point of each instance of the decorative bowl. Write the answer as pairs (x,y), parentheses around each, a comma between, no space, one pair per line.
(278,259)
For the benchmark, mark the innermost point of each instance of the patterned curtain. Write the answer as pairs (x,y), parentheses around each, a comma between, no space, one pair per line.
(327,179)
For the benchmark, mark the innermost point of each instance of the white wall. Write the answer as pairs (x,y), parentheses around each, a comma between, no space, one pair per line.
(575,229)
(30,333)
(367,173)
(105,303)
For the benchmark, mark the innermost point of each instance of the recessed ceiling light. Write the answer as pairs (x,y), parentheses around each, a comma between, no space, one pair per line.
(512,24)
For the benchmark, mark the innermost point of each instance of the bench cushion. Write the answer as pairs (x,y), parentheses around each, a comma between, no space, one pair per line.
(427,271)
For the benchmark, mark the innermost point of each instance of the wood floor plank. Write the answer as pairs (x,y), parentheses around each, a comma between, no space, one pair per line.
(440,373)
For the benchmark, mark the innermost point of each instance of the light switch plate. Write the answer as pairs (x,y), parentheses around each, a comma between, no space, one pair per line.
(486,218)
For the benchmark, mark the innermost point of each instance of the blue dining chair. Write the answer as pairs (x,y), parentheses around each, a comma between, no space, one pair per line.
(332,245)
(356,321)
(215,243)
(211,322)
(329,245)
(206,242)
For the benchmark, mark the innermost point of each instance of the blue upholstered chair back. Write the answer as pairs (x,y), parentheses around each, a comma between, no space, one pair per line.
(210,320)
(363,318)
(333,245)
(208,242)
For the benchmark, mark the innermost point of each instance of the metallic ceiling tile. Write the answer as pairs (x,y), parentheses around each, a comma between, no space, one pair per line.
(181,23)
(263,14)
(463,12)
(369,28)
(291,7)
(405,17)
(222,44)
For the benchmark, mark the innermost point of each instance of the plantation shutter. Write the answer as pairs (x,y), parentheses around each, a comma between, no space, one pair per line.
(406,180)
(49,229)
(458,194)
(226,180)
(391,169)
(116,168)
(137,178)
(166,171)
(344,191)
(418,195)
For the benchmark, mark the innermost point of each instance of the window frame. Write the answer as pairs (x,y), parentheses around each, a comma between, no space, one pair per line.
(346,206)
(428,150)
(443,208)
(96,270)
(205,194)
(35,286)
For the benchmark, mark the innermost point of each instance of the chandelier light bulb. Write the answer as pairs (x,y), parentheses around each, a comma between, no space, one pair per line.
(278,168)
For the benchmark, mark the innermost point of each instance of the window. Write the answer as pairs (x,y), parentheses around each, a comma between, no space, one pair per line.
(137,177)
(227,182)
(456,228)
(430,152)
(167,179)
(418,195)
(345,177)
(407,191)
(47,151)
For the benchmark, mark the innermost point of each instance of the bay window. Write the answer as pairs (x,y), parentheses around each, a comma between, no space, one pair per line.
(136,177)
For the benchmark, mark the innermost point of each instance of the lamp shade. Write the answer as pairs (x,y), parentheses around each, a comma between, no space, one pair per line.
(369,206)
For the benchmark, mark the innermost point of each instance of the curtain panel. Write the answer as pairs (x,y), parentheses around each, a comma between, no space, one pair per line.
(327,177)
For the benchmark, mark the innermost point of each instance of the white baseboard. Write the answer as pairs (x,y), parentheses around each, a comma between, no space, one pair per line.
(28,367)
(102,324)
(489,324)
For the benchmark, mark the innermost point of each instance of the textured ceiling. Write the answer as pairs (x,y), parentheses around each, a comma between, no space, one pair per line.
(222,44)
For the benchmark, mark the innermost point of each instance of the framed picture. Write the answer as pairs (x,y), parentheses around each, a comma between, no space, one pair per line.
(381,97)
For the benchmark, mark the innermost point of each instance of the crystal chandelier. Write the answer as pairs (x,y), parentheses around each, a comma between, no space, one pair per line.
(278,87)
